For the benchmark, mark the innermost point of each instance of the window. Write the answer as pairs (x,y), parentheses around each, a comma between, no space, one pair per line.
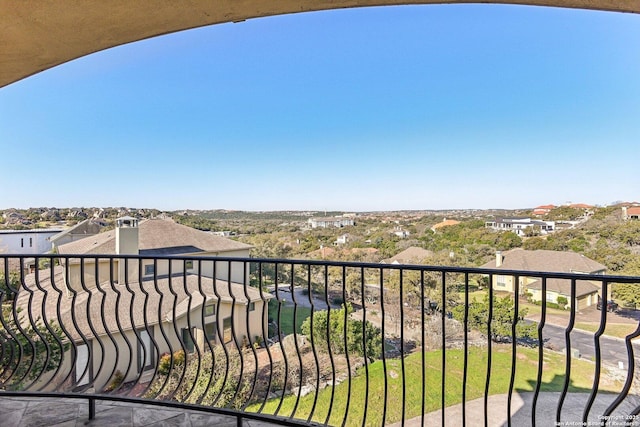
(210,309)
(83,369)
(22,243)
(145,351)
(149,269)
(30,242)
(501,281)
(252,306)
(188,265)
(226,325)
(210,332)
(187,340)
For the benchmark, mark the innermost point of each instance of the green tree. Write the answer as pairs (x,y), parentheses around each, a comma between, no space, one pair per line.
(329,331)
(28,351)
(501,320)
(565,213)
(8,285)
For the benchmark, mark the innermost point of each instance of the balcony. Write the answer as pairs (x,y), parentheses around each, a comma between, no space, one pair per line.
(293,342)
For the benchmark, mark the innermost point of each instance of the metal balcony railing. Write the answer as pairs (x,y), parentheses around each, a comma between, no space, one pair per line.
(318,343)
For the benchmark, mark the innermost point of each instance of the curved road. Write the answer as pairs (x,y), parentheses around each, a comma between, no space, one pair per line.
(613,350)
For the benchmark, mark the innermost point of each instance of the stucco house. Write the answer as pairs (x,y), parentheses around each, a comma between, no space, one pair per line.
(630,213)
(587,292)
(35,241)
(521,225)
(150,308)
(328,222)
(83,229)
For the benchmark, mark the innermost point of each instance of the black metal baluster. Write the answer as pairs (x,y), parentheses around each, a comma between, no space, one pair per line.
(364,346)
(328,333)
(465,361)
(443,313)
(103,299)
(295,341)
(280,337)
(121,329)
(313,346)
(514,345)
(265,332)
(190,328)
(162,331)
(402,352)
(384,358)
(155,356)
(598,354)
(220,335)
(543,320)
(489,339)
(567,337)
(423,360)
(346,344)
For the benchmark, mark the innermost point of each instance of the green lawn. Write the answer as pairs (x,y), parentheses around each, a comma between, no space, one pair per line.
(526,373)
(287,318)
(619,330)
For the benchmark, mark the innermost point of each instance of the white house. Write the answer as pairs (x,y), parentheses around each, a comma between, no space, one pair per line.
(520,225)
(333,221)
(27,241)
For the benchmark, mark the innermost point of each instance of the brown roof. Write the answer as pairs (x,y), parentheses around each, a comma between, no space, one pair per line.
(549,261)
(633,211)
(563,287)
(580,206)
(125,301)
(157,237)
(411,255)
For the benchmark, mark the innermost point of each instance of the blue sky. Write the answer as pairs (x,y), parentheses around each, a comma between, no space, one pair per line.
(412,107)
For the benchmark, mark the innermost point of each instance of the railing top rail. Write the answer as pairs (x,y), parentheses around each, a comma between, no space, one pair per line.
(367,265)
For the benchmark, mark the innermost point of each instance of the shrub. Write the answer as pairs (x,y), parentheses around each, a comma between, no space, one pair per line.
(164,365)
(329,329)
(115,382)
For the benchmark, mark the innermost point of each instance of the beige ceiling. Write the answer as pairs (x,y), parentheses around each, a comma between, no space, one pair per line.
(39,34)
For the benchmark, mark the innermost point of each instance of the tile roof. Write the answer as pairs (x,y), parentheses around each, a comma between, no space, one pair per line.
(633,211)
(563,287)
(411,255)
(128,302)
(156,237)
(549,261)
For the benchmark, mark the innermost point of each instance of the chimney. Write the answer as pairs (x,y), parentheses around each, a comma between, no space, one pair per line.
(498,258)
(127,244)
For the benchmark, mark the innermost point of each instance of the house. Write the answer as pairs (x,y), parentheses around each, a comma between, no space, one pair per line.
(542,210)
(630,213)
(34,241)
(151,307)
(587,292)
(327,222)
(342,240)
(86,228)
(521,225)
(400,232)
(411,255)
(153,237)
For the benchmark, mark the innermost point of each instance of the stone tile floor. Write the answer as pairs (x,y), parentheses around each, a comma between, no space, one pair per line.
(65,412)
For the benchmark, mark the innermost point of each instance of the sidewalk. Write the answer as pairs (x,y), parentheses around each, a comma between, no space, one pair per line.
(521,406)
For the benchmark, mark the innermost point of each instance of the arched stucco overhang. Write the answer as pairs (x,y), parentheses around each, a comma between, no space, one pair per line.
(39,34)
